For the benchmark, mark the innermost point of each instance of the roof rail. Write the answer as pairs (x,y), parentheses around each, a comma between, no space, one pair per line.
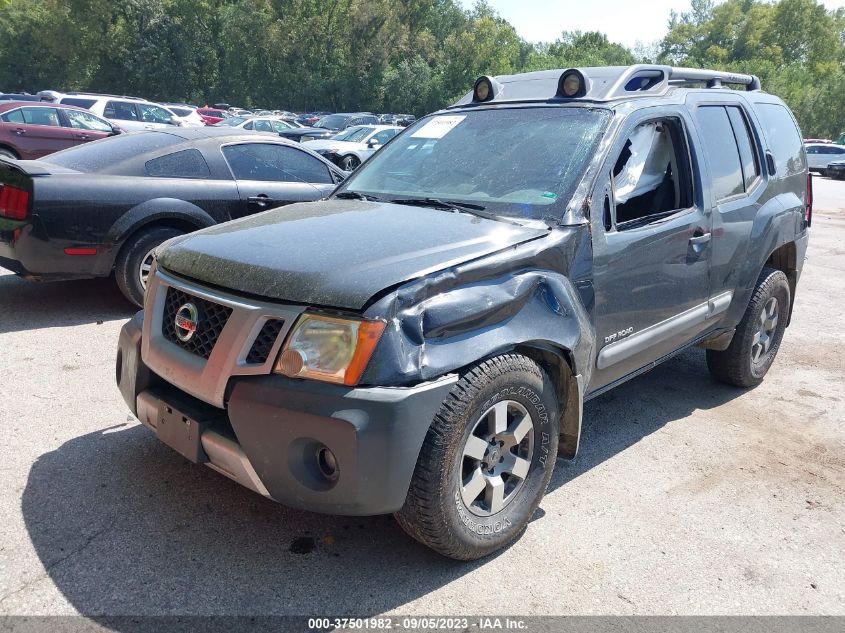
(657,79)
(713,78)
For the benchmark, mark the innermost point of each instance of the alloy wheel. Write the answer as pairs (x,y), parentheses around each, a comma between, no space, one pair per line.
(766,326)
(496,457)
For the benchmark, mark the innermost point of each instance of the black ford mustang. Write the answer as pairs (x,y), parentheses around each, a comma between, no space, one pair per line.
(105,206)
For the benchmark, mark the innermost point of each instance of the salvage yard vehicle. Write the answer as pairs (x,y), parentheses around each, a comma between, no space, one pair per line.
(105,206)
(423,341)
(329,125)
(354,145)
(820,155)
(32,130)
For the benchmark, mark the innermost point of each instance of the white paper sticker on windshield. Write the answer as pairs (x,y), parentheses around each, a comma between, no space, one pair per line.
(438,127)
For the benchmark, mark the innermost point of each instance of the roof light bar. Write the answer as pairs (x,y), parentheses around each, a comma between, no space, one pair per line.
(572,84)
(485,89)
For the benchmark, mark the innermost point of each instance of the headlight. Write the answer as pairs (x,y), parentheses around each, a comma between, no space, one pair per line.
(329,348)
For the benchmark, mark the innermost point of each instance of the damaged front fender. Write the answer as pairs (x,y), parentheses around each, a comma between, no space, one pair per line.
(537,295)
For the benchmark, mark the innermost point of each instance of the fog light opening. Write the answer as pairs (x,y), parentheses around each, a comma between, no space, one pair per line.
(327,463)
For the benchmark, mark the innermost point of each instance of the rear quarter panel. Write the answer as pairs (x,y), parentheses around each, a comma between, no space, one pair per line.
(101,210)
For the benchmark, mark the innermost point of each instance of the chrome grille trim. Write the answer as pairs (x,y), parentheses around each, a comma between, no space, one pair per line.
(202,378)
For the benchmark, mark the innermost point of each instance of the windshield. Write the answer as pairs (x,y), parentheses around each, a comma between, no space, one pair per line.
(332,122)
(353,134)
(518,162)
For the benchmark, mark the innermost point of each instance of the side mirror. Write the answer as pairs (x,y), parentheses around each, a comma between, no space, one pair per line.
(115,130)
(373,143)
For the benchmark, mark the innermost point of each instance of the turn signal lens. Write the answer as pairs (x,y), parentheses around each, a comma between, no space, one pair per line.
(329,348)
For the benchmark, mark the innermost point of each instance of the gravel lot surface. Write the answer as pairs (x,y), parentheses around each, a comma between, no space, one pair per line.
(688,497)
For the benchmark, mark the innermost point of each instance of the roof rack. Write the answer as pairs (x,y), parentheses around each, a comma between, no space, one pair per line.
(605,83)
(100,94)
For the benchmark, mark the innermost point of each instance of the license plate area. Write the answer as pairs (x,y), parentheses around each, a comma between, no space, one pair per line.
(181,432)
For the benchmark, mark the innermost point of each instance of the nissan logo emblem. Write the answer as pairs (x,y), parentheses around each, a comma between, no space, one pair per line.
(187,320)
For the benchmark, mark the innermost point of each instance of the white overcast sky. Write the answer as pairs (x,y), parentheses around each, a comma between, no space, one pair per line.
(624,21)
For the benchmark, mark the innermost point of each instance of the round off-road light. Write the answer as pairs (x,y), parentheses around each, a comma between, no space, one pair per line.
(571,85)
(483,90)
(327,463)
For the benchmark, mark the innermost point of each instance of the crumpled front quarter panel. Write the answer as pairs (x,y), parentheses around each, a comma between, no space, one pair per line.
(444,322)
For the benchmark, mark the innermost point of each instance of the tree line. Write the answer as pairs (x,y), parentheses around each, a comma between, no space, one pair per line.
(390,55)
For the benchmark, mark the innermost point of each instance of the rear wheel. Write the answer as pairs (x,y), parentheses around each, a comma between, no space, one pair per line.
(486,461)
(758,335)
(7,153)
(132,268)
(349,163)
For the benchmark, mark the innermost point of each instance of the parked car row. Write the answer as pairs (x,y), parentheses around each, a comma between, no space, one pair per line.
(104,207)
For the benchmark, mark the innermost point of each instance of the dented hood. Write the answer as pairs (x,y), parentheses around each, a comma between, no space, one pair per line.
(336,253)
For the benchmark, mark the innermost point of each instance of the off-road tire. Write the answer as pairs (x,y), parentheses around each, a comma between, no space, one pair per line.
(133,252)
(735,366)
(434,512)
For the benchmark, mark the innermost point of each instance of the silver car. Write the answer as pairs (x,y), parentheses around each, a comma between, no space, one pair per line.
(354,145)
(820,155)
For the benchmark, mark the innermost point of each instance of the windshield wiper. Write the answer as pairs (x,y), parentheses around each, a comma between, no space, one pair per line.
(437,203)
(457,207)
(356,195)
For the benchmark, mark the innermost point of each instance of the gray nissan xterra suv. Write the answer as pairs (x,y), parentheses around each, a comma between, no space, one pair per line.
(423,342)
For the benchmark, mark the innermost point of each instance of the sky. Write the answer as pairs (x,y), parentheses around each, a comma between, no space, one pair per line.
(623,21)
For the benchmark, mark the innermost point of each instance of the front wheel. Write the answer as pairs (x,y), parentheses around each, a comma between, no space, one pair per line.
(349,163)
(132,267)
(758,335)
(486,461)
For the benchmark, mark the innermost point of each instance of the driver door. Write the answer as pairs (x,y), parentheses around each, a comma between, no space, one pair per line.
(271,175)
(651,241)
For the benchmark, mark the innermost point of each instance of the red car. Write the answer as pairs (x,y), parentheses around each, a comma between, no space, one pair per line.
(212,115)
(32,129)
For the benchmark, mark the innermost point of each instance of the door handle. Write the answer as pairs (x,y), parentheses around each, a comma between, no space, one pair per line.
(20,131)
(261,200)
(696,240)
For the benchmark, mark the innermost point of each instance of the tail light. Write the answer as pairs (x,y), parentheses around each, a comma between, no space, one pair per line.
(808,212)
(14,202)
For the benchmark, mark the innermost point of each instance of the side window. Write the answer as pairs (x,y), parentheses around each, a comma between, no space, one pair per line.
(651,177)
(154,114)
(279,126)
(41,116)
(813,149)
(13,116)
(383,136)
(276,163)
(121,111)
(263,126)
(248,125)
(747,153)
(784,141)
(79,103)
(81,120)
(188,163)
(722,152)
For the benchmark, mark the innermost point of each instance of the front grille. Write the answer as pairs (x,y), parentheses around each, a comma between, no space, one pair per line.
(264,342)
(212,318)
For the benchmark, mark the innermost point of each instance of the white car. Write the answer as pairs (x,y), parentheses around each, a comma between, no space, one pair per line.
(128,113)
(820,155)
(354,145)
(271,124)
(187,115)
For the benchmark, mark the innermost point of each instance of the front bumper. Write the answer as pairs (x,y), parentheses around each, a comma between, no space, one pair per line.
(270,434)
